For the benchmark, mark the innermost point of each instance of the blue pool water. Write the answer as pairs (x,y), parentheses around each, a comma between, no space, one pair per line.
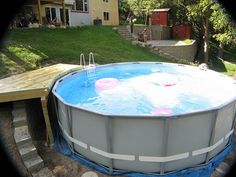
(146,88)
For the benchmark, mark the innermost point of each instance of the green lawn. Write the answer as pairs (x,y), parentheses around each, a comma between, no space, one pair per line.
(27,49)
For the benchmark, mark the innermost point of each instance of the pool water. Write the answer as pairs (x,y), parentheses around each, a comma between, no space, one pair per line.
(146,88)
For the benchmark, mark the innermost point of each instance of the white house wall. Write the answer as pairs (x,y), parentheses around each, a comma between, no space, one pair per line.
(71,2)
(79,19)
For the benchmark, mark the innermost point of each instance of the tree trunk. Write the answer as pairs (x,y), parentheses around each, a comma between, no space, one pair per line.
(146,18)
(221,50)
(206,40)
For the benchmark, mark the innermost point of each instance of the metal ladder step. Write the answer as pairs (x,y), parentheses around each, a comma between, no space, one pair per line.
(90,68)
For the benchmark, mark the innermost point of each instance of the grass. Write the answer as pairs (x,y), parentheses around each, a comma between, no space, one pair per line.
(27,49)
(187,41)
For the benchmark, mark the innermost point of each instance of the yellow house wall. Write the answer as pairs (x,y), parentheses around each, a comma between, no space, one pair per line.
(97,7)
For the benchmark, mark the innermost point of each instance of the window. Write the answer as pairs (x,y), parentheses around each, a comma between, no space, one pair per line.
(50,13)
(82,5)
(105,0)
(106,16)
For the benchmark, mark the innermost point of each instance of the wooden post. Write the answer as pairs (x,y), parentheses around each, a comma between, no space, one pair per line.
(40,14)
(64,12)
(47,121)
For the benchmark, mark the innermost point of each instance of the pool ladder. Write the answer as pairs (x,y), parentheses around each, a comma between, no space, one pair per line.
(90,68)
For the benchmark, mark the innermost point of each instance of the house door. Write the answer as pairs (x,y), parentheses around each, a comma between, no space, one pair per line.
(50,14)
(62,16)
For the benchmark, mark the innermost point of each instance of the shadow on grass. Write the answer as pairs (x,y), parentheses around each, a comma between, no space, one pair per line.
(218,65)
(17,60)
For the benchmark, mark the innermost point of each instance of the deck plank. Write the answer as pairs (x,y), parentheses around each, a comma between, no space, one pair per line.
(33,82)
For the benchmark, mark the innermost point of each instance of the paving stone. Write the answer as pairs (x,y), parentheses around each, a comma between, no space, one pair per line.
(34,164)
(19,120)
(89,174)
(18,104)
(44,172)
(21,135)
(19,112)
(223,168)
(28,151)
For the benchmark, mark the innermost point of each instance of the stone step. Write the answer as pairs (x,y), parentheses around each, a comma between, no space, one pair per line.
(19,112)
(125,34)
(18,104)
(129,39)
(44,172)
(22,135)
(28,151)
(34,164)
(123,29)
(19,121)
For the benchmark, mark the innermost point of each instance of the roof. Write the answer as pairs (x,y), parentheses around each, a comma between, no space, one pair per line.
(160,10)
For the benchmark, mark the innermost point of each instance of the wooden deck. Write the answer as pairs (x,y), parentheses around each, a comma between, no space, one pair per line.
(34,84)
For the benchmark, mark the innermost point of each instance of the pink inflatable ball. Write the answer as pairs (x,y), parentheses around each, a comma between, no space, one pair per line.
(106,83)
(161,111)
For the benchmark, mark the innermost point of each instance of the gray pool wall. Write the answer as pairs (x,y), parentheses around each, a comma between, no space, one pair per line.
(147,143)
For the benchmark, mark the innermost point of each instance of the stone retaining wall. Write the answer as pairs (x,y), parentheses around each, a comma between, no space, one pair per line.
(186,52)
(157,32)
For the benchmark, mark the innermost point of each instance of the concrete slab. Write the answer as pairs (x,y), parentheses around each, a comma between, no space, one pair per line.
(21,135)
(18,104)
(19,112)
(90,174)
(19,121)
(44,172)
(34,164)
(28,151)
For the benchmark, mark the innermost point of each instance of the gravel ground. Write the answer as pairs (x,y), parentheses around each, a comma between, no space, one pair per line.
(62,166)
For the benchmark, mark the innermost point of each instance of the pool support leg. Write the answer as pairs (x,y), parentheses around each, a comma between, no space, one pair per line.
(212,136)
(164,144)
(109,140)
(49,135)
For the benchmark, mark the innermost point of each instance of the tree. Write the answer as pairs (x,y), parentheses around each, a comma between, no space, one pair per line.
(225,31)
(199,13)
(142,8)
(124,9)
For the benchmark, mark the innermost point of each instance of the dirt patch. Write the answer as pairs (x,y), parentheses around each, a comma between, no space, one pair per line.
(62,166)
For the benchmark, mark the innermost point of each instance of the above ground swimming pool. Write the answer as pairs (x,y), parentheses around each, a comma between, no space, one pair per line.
(146,116)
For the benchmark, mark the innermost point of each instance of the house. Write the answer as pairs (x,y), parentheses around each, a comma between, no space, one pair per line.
(74,12)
